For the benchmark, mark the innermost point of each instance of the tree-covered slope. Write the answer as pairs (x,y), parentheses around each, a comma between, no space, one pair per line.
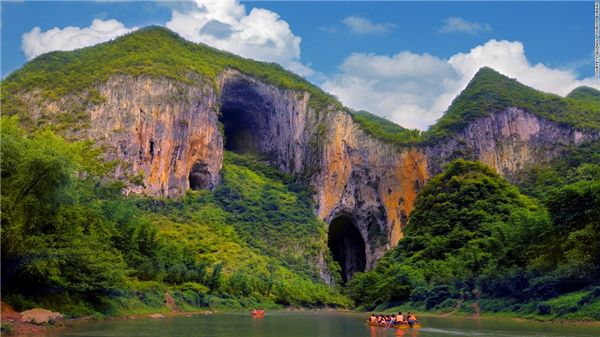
(585,94)
(384,129)
(490,91)
(72,242)
(475,242)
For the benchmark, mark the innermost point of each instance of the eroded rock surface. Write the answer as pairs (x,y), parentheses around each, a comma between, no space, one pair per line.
(40,316)
(169,138)
(508,141)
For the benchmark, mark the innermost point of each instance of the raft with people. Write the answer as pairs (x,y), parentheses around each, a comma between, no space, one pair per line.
(398,321)
(258,313)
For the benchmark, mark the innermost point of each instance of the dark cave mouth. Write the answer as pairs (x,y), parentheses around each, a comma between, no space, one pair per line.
(240,130)
(244,114)
(200,177)
(347,246)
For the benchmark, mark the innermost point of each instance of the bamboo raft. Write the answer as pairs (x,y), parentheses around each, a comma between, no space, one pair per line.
(396,326)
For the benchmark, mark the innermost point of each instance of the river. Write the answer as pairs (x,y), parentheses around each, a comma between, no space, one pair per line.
(313,324)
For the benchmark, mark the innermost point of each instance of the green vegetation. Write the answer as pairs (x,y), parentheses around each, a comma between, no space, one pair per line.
(585,94)
(159,52)
(490,91)
(151,51)
(72,242)
(475,239)
(382,128)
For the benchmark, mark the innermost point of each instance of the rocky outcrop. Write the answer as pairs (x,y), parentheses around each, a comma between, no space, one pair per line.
(170,137)
(370,182)
(508,141)
(40,316)
(164,132)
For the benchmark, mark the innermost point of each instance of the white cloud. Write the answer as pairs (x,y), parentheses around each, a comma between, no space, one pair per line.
(360,25)
(37,42)
(460,25)
(414,90)
(260,34)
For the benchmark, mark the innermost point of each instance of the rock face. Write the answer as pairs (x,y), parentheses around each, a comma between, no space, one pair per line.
(40,316)
(170,137)
(508,141)
(165,133)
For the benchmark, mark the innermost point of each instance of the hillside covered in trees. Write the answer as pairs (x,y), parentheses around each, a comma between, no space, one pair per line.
(476,243)
(72,242)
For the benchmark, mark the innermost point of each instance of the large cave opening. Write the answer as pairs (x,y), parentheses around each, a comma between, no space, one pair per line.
(245,116)
(239,128)
(347,246)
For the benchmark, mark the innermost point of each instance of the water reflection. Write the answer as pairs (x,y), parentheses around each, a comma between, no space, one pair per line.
(375,331)
(407,332)
(319,324)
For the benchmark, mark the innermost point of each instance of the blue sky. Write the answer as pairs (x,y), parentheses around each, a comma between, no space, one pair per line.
(402,60)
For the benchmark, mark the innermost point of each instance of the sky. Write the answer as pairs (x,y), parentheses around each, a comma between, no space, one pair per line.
(404,61)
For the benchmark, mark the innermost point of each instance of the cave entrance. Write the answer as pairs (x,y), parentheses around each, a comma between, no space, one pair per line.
(245,115)
(347,246)
(238,126)
(200,177)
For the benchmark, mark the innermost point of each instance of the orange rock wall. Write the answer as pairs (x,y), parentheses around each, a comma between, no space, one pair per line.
(161,130)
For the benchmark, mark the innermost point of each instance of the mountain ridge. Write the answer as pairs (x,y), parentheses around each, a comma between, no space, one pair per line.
(169,129)
(83,68)
(489,91)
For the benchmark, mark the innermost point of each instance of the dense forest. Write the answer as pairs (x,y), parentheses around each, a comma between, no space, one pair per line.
(476,243)
(72,242)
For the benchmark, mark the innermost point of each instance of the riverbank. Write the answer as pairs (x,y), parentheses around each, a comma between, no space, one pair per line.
(514,316)
(13,325)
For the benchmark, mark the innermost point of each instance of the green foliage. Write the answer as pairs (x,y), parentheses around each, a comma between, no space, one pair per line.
(51,236)
(72,242)
(271,212)
(585,94)
(7,329)
(574,164)
(464,223)
(490,91)
(570,189)
(159,52)
(473,237)
(152,51)
(256,233)
(384,129)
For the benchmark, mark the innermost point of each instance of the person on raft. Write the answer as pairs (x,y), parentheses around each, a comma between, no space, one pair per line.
(399,318)
(412,319)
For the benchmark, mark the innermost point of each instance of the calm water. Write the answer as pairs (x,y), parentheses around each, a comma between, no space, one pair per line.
(326,324)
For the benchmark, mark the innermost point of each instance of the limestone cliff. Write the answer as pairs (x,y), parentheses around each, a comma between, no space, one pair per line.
(170,136)
(168,130)
(508,141)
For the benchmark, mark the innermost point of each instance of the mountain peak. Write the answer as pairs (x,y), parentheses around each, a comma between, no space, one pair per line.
(150,51)
(493,79)
(487,71)
(585,94)
(490,91)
